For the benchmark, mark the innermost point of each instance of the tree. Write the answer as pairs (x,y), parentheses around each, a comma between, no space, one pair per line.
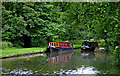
(36,23)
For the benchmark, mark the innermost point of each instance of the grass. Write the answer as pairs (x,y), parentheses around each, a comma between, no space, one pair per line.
(14,50)
(76,45)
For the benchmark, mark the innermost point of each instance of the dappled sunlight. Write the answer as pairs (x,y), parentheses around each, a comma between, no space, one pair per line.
(82,70)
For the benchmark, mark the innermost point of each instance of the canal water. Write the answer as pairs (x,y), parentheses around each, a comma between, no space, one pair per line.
(72,62)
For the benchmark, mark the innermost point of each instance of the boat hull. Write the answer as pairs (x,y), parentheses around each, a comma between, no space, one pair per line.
(83,48)
(89,45)
(54,49)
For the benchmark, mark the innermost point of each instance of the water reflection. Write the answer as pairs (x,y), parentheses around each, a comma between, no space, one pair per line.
(87,54)
(82,70)
(59,56)
(61,62)
(16,71)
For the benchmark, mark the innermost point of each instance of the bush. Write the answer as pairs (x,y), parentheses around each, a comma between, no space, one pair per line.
(37,42)
(101,42)
(77,42)
(10,45)
(17,45)
(116,54)
(6,44)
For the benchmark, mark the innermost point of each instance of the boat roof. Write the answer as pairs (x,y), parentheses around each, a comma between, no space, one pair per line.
(89,41)
(60,41)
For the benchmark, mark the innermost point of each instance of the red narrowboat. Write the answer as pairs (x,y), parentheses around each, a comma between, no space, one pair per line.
(59,45)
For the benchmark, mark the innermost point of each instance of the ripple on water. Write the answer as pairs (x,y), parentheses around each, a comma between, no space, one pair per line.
(82,70)
(16,71)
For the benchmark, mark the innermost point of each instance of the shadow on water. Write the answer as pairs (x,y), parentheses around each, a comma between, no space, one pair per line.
(61,62)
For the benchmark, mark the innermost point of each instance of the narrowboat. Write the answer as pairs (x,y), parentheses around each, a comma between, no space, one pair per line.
(89,45)
(59,45)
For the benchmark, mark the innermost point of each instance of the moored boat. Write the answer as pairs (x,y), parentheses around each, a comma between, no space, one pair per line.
(89,45)
(59,45)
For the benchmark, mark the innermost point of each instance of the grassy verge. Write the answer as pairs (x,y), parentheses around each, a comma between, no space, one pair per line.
(14,50)
(76,45)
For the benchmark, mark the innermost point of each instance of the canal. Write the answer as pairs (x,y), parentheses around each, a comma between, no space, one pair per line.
(72,62)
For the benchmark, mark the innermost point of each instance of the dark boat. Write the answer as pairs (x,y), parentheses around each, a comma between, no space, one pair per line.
(59,46)
(89,45)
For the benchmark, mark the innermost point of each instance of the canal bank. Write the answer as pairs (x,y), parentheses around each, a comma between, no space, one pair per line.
(9,53)
(21,54)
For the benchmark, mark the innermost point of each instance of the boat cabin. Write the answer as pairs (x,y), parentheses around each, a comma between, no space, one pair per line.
(60,44)
(89,45)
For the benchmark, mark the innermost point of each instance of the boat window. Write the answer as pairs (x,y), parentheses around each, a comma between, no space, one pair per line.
(57,44)
(51,44)
(61,44)
(54,44)
(69,44)
(65,44)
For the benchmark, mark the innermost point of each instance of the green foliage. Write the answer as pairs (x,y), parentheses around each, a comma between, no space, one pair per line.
(23,20)
(38,41)
(116,54)
(77,21)
(101,42)
(10,45)
(93,20)
(77,42)
(6,44)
